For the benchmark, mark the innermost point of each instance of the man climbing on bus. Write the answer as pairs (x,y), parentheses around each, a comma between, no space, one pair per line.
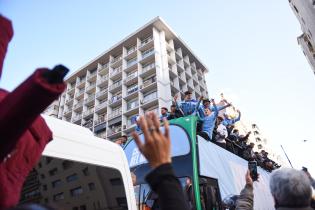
(188,106)
(208,122)
(164,113)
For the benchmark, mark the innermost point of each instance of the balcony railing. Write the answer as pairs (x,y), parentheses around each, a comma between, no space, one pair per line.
(78,104)
(92,75)
(103,67)
(132,90)
(114,130)
(90,87)
(115,85)
(115,99)
(80,92)
(102,92)
(67,111)
(101,105)
(88,124)
(131,50)
(69,101)
(88,112)
(146,41)
(148,82)
(150,98)
(116,71)
(102,79)
(148,67)
(131,62)
(89,99)
(101,135)
(116,59)
(129,107)
(131,76)
(147,53)
(100,120)
(81,81)
(114,114)
(76,117)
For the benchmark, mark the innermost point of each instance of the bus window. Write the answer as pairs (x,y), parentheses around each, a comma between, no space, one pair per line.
(70,185)
(148,200)
(180,146)
(209,194)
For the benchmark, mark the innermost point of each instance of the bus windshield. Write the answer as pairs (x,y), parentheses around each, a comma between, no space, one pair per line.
(180,146)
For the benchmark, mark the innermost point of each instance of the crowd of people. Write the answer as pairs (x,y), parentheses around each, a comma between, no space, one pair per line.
(217,126)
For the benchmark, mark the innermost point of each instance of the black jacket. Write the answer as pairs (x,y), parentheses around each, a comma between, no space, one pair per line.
(163,182)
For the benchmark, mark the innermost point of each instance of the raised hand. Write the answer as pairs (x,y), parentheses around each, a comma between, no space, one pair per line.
(157,145)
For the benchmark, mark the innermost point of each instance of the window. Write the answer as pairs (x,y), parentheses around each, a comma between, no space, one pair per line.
(72,178)
(59,196)
(68,195)
(76,191)
(86,171)
(91,186)
(149,96)
(56,183)
(53,171)
(66,164)
(116,181)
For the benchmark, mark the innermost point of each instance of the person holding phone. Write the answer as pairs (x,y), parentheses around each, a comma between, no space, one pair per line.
(246,199)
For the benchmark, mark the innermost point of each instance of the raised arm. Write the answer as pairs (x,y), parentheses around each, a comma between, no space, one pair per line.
(238,118)
(215,109)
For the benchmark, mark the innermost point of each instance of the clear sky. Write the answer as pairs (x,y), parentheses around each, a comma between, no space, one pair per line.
(249,46)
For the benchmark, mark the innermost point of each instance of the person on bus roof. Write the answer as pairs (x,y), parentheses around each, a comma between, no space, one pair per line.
(206,104)
(174,113)
(227,121)
(188,106)
(208,122)
(221,133)
(164,113)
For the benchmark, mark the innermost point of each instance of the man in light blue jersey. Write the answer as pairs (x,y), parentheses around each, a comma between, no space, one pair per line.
(188,105)
(208,121)
(206,104)
(227,121)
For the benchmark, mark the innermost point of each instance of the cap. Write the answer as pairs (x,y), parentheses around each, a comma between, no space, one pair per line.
(187,92)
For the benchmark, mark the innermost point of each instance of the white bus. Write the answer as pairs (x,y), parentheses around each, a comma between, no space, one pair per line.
(79,171)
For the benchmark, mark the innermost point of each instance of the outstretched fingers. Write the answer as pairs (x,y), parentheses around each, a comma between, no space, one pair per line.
(137,140)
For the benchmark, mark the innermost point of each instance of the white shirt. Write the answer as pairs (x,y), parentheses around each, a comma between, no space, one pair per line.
(221,130)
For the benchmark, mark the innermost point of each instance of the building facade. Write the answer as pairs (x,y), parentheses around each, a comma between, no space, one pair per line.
(139,74)
(305,13)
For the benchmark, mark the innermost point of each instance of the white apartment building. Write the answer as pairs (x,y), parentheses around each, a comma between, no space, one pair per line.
(139,74)
(305,13)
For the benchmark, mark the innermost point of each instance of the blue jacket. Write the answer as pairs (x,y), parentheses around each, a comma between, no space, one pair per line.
(201,109)
(188,107)
(209,122)
(227,121)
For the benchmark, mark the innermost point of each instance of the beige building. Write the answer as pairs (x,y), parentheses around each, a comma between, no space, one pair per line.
(305,13)
(139,74)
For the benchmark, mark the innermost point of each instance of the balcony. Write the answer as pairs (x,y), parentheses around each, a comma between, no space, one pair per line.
(147,70)
(101,107)
(104,69)
(182,79)
(88,124)
(149,101)
(115,87)
(88,112)
(172,73)
(76,118)
(145,56)
(79,94)
(102,94)
(115,100)
(131,63)
(114,114)
(116,73)
(100,120)
(101,135)
(116,61)
(91,88)
(78,105)
(132,109)
(102,81)
(92,76)
(146,43)
(132,93)
(67,112)
(149,84)
(180,68)
(70,89)
(132,51)
(114,132)
(81,83)
(131,78)
(89,100)
(69,101)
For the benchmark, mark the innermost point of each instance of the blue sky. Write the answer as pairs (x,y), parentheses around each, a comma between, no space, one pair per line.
(250,48)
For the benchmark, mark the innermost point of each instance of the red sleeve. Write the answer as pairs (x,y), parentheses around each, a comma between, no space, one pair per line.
(6,34)
(20,108)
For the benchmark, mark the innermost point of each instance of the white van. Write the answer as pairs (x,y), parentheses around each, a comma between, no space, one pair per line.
(79,171)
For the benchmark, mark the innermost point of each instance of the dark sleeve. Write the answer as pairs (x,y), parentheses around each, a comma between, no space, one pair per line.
(163,181)
(20,108)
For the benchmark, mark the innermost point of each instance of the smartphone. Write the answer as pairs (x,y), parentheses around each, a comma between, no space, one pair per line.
(252,167)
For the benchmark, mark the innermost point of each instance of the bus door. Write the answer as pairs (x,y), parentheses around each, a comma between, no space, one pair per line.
(209,194)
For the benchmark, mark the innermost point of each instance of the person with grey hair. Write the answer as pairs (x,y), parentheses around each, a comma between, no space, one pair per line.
(291,189)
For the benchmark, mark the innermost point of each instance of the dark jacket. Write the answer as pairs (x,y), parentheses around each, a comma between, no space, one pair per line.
(23,132)
(163,182)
